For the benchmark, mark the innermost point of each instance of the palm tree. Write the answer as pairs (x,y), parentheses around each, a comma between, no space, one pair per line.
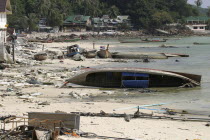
(113,11)
(32,21)
(208,13)
(198,3)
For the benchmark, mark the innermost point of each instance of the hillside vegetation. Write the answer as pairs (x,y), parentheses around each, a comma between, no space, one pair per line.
(144,14)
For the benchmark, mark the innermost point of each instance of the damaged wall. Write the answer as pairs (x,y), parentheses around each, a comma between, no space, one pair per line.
(4,55)
(3,20)
(71,121)
(2,48)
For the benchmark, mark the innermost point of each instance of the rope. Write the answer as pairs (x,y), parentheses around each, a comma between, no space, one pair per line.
(93,135)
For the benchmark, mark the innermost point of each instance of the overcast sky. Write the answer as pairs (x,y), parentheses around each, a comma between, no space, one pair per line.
(205,4)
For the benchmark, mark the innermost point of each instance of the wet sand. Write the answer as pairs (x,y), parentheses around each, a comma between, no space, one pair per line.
(61,99)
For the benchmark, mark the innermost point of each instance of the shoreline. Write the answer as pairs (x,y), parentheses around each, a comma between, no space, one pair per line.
(143,129)
(14,85)
(128,34)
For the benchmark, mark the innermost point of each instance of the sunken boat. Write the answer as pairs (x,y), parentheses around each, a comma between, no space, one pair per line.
(197,43)
(138,55)
(143,41)
(133,78)
(134,41)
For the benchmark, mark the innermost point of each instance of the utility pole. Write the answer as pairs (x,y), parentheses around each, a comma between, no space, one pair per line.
(13,50)
(13,47)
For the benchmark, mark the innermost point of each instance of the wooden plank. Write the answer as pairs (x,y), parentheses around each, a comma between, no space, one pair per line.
(9,119)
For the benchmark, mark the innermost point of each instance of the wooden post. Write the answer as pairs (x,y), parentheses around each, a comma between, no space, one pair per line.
(24,121)
(93,45)
(54,126)
(12,125)
(107,54)
(4,125)
(13,50)
(107,48)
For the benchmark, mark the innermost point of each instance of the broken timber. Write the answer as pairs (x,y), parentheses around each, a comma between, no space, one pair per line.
(144,115)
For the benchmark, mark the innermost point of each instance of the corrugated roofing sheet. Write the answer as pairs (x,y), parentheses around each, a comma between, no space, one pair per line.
(96,20)
(77,19)
(3,5)
(198,18)
(123,17)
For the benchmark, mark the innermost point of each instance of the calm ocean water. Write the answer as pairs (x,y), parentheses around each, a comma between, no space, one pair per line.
(195,99)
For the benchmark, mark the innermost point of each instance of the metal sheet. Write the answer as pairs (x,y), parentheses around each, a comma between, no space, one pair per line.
(135,74)
(135,83)
(71,121)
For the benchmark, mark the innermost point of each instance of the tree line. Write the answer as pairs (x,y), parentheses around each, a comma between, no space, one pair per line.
(144,14)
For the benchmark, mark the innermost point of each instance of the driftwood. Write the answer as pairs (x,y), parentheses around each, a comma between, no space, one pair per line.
(93,135)
(145,115)
(40,56)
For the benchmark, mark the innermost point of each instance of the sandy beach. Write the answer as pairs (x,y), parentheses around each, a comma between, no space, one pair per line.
(14,86)
(139,129)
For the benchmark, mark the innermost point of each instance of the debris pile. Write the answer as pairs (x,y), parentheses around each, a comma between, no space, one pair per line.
(49,38)
(14,80)
(61,125)
(39,126)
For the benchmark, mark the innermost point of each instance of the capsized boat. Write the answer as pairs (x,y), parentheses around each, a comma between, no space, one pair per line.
(133,78)
(133,41)
(144,41)
(154,40)
(176,55)
(138,55)
(197,43)
(66,40)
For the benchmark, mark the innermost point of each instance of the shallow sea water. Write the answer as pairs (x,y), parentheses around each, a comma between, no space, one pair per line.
(192,99)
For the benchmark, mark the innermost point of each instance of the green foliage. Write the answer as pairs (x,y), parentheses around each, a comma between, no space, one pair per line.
(54,11)
(55,18)
(87,7)
(32,22)
(123,27)
(143,13)
(208,12)
(198,3)
(113,11)
(160,18)
(18,22)
(18,7)
(199,11)
(208,24)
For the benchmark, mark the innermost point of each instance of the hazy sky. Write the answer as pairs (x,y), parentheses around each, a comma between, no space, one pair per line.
(205,4)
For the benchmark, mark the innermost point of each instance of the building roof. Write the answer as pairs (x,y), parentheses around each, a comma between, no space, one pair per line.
(97,20)
(105,17)
(123,17)
(198,18)
(77,19)
(5,6)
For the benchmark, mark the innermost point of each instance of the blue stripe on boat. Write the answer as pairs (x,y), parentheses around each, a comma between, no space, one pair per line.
(135,74)
(135,83)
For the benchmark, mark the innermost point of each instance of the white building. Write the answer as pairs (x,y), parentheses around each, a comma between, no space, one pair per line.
(5,8)
(3,20)
(197,28)
(197,24)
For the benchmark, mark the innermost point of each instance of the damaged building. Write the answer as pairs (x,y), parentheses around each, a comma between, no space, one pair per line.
(76,23)
(5,9)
